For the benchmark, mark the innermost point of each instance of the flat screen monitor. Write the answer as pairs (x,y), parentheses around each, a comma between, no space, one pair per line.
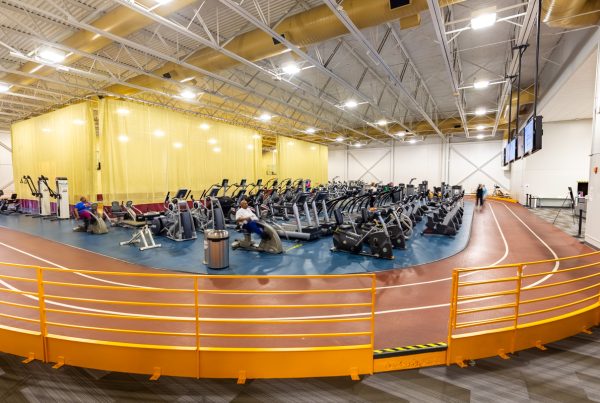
(512,149)
(520,146)
(528,135)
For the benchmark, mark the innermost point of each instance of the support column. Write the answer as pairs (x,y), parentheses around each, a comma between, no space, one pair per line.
(592,226)
(445,168)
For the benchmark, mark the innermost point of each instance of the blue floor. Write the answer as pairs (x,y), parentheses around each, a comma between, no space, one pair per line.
(300,258)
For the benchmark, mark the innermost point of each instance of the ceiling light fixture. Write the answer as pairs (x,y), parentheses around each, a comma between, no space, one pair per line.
(204,126)
(217,149)
(159,133)
(480,127)
(357,145)
(4,87)
(51,55)
(401,133)
(78,122)
(46,130)
(480,136)
(382,122)
(484,19)
(290,68)
(123,111)
(177,145)
(480,111)
(265,117)
(188,94)
(212,141)
(250,147)
(256,136)
(311,130)
(412,141)
(339,139)
(351,104)
(481,84)
(123,138)
(313,148)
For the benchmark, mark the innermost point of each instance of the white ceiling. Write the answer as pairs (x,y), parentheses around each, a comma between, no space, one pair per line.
(575,99)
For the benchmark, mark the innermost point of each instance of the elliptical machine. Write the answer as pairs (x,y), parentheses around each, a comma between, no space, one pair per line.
(177,223)
(347,238)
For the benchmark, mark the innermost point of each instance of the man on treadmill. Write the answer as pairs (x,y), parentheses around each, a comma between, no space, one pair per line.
(247,219)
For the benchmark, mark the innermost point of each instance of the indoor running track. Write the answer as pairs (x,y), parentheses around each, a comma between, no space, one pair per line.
(412,303)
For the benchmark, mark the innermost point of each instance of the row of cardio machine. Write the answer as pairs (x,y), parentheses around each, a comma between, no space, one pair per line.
(376,220)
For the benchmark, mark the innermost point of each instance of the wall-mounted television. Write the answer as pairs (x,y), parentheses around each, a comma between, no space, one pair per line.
(532,133)
(520,153)
(512,150)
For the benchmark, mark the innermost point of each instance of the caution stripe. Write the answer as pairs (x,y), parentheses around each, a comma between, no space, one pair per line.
(407,350)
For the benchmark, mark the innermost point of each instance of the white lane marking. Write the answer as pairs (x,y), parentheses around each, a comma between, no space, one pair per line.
(71,270)
(506,250)
(556,265)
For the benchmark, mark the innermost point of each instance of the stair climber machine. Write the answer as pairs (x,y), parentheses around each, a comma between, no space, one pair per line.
(177,223)
(352,237)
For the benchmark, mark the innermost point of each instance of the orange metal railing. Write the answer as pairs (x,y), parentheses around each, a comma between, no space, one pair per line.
(190,325)
(502,309)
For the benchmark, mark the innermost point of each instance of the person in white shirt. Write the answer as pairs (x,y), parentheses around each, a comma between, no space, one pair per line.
(247,219)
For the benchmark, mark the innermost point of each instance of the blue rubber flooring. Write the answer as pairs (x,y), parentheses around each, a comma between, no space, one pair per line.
(300,257)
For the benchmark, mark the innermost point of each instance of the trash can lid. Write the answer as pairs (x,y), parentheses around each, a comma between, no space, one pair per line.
(216,234)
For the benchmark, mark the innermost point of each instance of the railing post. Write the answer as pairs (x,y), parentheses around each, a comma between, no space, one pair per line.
(42,308)
(197,323)
(517,306)
(373,293)
(452,316)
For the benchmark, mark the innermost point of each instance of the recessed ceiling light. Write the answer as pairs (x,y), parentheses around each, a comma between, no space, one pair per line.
(177,145)
(310,130)
(212,141)
(51,55)
(483,20)
(382,122)
(123,138)
(357,145)
(481,84)
(339,139)
(480,127)
(401,133)
(78,122)
(480,136)
(217,149)
(480,111)
(188,94)
(265,117)
(4,87)
(351,104)
(204,126)
(123,111)
(290,68)
(159,133)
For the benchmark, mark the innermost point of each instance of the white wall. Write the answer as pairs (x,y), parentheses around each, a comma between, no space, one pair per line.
(563,160)
(471,163)
(592,225)
(6,172)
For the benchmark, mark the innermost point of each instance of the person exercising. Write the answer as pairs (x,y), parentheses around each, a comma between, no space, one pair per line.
(247,219)
(480,195)
(82,211)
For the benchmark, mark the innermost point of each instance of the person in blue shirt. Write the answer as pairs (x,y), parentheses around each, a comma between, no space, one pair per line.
(82,211)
